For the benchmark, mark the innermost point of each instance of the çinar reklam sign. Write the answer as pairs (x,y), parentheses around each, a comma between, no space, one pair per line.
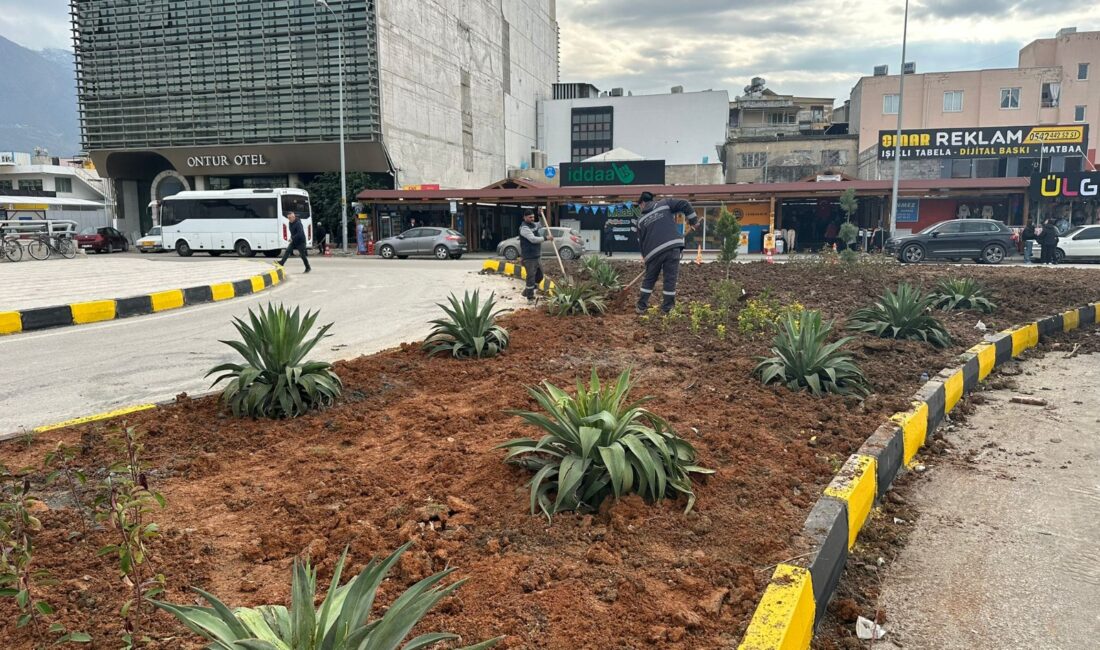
(986,142)
(629,172)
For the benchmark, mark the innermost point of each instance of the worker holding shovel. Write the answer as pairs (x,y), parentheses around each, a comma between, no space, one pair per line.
(531,237)
(662,246)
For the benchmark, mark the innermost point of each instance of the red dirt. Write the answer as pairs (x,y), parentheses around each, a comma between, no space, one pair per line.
(408,455)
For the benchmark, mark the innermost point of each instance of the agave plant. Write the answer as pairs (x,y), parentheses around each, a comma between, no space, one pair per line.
(602,273)
(469,330)
(802,358)
(340,623)
(598,444)
(572,298)
(902,315)
(276,381)
(962,293)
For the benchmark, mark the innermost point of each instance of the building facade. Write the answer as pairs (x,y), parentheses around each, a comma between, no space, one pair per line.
(679,128)
(218,94)
(1055,83)
(38,186)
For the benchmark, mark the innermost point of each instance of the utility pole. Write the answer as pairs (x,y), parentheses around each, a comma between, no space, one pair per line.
(343,163)
(892,229)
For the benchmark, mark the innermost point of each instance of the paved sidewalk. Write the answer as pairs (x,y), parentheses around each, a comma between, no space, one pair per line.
(1005,552)
(32,284)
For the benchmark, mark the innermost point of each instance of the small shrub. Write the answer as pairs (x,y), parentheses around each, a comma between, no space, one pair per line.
(277,381)
(701,314)
(62,463)
(803,359)
(962,293)
(469,330)
(340,623)
(726,294)
(902,315)
(849,256)
(849,233)
(572,298)
(598,444)
(720,331)
(729,233)
(763,315)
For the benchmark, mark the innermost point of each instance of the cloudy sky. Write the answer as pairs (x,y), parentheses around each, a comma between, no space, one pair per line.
(809,47)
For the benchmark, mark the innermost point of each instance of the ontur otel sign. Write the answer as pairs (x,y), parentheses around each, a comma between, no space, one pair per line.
(627,172)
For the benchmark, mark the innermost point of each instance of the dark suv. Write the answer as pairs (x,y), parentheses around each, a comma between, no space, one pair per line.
(983,240)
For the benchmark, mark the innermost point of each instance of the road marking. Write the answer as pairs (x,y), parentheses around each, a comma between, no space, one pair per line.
(95,418)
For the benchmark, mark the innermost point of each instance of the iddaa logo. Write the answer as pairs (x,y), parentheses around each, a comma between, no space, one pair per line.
(602,174)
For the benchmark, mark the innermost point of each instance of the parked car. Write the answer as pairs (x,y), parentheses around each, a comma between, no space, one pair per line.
(569,242)
(441,243)
(153,242)
(1080,244)
(983,240)
(102,240)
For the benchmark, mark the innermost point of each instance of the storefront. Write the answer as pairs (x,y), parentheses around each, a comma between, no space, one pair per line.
(1071,199)
(807,208)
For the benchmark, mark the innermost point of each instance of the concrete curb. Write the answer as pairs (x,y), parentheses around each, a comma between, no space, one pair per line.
(81,313)
(795,600)
(515,271)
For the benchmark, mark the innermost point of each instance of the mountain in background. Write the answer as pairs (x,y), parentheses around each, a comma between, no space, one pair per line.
(38,100)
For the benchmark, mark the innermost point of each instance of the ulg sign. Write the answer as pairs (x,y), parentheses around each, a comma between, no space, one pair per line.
(221,160)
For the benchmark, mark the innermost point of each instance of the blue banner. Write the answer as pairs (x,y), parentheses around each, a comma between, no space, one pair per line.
(908,211)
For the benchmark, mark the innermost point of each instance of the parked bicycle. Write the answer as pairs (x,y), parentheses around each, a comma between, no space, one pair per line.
(11,248)
(43,245)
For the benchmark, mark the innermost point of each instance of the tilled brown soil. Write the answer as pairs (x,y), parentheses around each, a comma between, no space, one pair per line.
(408,455)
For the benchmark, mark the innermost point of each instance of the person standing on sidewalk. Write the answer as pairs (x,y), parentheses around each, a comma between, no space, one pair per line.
(606,237)
(1028,235)
(531,236)
(297,241)
(1049,239)
(662,246)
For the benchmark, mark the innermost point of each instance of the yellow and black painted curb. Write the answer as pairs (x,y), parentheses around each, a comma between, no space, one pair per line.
(515,271)
(795,599)
(81,313)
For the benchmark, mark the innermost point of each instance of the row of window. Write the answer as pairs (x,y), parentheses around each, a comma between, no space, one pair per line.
(174,212)
(829,158)
(1010,100)
(64,185)
(592,132)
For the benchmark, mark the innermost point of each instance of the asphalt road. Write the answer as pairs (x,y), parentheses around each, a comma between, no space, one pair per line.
(55,375)
(1021,522)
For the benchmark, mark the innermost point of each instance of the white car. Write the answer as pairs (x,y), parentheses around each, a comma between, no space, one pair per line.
(1079,244)
(152,242)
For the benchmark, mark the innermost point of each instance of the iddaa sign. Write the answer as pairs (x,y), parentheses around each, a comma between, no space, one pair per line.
(627,172)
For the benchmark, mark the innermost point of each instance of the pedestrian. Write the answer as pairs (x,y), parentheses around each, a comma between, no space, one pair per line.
(486,237)
(1049,239)
(1028,235)
(297,241)
(662,246)
(832,232)
(320,235)
(607,237)
(531,236)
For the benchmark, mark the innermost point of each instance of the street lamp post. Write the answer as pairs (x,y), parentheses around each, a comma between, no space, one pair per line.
(343,162)
(897,140)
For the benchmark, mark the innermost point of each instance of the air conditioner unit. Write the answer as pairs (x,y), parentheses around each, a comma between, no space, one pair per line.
(909,68)
(882,70)
(677,90)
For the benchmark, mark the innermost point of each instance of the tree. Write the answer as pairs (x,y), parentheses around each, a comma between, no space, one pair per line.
(729,231)
(324,196)
(849,203)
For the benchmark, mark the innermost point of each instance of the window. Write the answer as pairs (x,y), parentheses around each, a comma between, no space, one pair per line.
(1079,113)
(592,132)
(63,184)
(987,168)
(30,184)
(817,114)
(782,118)
(217,182)
(950,228)
(834,157)
(6,185)
(754,159)
(961,168)
(979,225)
(1082,71)
(1052,92)
(1088,234)
(1010,98)
(735,117)
(953,101)
(890,104)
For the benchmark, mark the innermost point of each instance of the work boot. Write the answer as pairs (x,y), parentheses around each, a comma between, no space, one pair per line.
(641,307)
(667,304)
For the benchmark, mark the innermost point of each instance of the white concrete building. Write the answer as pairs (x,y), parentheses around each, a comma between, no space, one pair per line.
(37,172)
(679,128)
(460,83)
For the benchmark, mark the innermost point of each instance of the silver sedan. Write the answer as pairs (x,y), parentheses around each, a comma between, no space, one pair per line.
(441,243)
